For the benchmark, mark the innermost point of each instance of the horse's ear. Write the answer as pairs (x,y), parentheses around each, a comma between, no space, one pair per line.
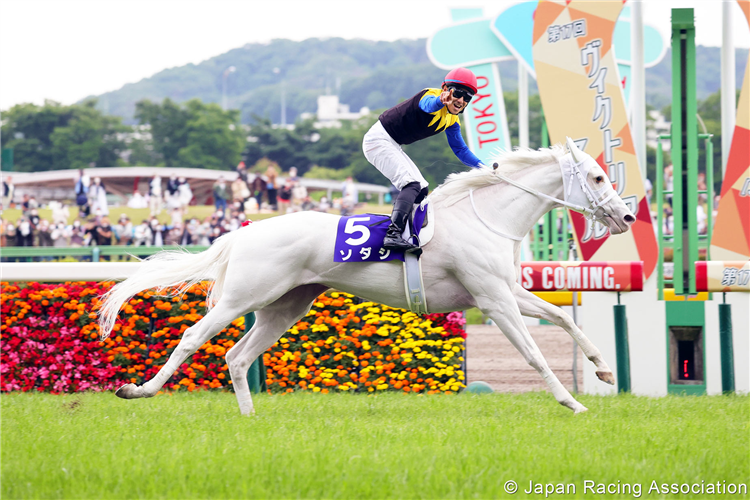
(577,153)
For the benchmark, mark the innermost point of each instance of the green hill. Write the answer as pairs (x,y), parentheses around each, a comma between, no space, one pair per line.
(361,72)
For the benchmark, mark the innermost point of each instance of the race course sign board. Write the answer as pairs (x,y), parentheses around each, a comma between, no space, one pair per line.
(582,98)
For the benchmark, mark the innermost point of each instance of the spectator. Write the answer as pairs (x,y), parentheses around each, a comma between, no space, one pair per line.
(240,191)
(702,197)
(10,236)
(271,186)
(24,233)
(176,214)
(285,197)
(142,234)
(173,235)
(258,187)
(185,194)
(221,195)
(308,204)
(242,171)
(98,198)
(649,190)
(173,185)
(60,212)
(89,226)
(8,191)
(33,204)
(190,233)
(251,205)
(25,204)
(137,201)
(324,205)
(299,193)
(702,219)
(349,195)
(669,182)
(158,232)
(293,175)
(34,218)
(82,198)
(3,229)
(77,234)
(123,230)
(44,233)
(155,196)
(103,235)
(60,236)
(204,231)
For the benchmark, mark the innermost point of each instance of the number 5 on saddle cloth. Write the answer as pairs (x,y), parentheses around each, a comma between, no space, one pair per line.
(359,238)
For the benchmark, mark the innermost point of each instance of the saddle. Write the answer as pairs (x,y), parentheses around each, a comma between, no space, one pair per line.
(359,238)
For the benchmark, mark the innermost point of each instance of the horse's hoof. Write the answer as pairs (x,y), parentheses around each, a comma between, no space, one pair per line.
(606,377)
(580,409)
(128,391)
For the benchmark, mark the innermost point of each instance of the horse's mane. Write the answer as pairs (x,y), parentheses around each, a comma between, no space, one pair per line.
(457,186)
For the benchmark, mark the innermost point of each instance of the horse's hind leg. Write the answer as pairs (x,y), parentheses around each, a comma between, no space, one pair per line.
(534,307)
(213,322)
(271,323)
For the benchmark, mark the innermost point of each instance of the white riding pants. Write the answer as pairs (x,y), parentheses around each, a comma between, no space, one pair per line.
(386,154)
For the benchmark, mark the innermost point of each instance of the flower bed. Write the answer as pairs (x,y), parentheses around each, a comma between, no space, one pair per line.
(50,343)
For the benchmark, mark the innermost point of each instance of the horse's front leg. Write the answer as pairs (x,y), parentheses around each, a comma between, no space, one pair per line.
(497,302)
(534,307)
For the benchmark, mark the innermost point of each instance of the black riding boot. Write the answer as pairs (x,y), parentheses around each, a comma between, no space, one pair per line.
(399,218)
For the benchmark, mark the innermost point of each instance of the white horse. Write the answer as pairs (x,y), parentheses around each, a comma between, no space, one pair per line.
(277,267)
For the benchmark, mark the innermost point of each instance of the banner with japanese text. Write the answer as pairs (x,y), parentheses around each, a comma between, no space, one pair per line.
(485,122)
(583,99)
(731,236)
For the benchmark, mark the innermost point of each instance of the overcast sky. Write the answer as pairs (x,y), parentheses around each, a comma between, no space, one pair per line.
(65,50)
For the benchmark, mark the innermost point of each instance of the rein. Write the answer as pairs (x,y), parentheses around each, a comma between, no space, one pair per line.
(575,173)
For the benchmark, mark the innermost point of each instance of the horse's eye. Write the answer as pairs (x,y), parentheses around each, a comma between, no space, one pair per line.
(599,179)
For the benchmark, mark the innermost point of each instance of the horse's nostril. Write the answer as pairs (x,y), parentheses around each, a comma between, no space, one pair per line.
(629,219)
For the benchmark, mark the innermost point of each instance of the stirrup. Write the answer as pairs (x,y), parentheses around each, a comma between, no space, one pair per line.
(398,244)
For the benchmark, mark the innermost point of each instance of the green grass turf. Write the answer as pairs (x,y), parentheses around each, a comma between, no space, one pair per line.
(362,446)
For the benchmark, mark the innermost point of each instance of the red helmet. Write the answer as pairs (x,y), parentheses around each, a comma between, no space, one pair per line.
(462,76)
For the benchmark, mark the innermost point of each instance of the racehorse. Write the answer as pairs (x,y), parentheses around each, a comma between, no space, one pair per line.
(277,267)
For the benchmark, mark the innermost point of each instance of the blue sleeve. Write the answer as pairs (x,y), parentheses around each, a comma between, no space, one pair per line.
(459,147)
(430,103)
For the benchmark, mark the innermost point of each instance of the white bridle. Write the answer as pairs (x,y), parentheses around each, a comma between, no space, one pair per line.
(579,197)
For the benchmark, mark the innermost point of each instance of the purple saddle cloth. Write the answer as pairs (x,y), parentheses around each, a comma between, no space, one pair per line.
(359,238)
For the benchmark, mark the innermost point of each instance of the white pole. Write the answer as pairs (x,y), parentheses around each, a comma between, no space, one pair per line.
(638,85)
(728,87)
(523,106)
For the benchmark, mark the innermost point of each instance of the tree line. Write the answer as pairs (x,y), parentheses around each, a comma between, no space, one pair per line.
(203,135)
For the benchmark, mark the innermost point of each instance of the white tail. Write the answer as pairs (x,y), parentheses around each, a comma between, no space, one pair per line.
(170,269)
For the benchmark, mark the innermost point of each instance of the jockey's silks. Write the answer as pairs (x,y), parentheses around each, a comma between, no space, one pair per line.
(407,123)
(423,116)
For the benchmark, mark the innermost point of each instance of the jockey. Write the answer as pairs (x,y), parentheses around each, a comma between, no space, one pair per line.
(429,112)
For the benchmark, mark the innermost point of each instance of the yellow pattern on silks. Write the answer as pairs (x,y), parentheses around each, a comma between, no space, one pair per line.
(445,119)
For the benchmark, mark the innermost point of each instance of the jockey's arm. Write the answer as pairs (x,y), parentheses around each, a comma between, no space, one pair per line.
(459,147)
(430,103)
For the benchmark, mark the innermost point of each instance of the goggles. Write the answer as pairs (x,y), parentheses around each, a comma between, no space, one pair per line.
(461,93)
